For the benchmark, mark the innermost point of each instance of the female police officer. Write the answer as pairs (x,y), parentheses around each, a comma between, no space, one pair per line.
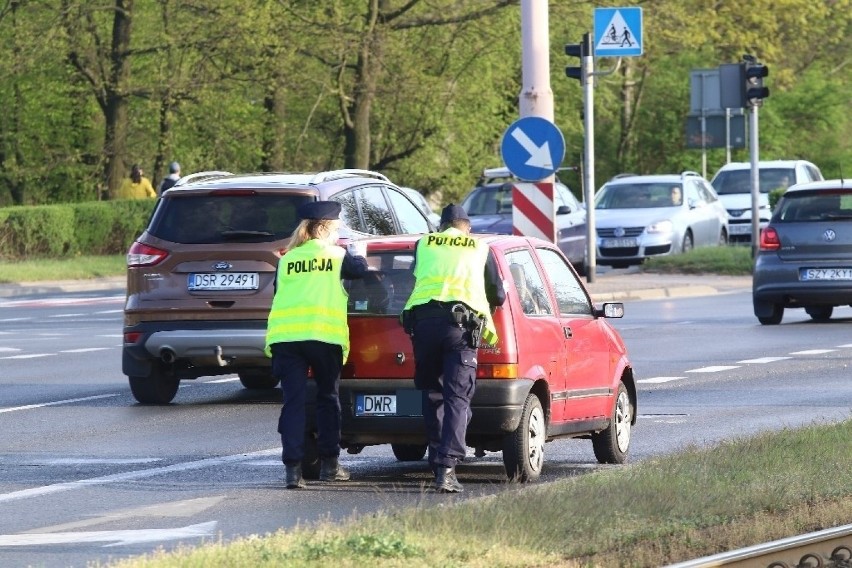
(448,309)
(307,327)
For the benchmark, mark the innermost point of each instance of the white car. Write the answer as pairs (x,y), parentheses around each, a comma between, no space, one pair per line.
(638,217)
(733,184)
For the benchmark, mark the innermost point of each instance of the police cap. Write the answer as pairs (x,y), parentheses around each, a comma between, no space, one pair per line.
(453,212)
(320,210)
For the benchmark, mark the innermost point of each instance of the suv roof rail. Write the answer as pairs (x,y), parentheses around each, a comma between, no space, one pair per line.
(501,171)
(623,175)
(349,172)
(689,173)
(201,175)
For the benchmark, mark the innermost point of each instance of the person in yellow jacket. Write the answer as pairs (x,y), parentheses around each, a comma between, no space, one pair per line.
(307,328)
(137,186)
(448,315)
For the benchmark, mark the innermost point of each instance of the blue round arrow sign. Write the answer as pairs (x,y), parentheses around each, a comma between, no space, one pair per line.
(533,148)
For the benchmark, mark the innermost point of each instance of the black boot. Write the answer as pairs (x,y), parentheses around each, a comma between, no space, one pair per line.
(331,470)
(446,481)
(293,476)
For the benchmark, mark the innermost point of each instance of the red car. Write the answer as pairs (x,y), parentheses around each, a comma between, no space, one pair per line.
(559,370)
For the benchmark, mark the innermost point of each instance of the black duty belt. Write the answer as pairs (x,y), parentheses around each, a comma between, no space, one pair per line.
(433,310)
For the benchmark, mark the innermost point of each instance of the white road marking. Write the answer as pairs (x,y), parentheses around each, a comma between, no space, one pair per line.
(134,475)
(813,352)
(846,345)
(66,315)
(659,379)
(9,349)
(112,335)
(85,349)
(14,319)
(95,461)
(183,509)
(713,369)
(117,538)
(54,403)
(764,360)
(29,356)
(111,312)
(228,380)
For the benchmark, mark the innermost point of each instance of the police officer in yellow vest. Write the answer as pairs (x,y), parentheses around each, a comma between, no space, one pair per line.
(308,327)
(448,315)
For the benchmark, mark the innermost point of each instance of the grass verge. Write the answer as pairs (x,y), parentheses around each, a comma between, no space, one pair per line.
(671,509)
(71,268)
(730,260)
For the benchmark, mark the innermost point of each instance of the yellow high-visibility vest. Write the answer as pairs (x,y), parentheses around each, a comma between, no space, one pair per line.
(310,301)
(451,268)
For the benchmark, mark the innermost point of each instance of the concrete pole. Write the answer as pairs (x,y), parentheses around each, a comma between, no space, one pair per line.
(755,182)
(536,96)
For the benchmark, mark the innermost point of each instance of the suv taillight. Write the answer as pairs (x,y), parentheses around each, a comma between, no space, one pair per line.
(144,255)
(769,239)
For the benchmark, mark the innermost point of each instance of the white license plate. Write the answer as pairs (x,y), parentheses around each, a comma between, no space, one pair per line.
(223,281)
(375,405)
(619,243)
(825,274)
(740,229)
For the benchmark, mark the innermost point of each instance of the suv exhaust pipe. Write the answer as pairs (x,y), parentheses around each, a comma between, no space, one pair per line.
(167,356)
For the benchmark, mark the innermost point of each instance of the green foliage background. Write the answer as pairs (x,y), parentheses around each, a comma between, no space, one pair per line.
(427,87)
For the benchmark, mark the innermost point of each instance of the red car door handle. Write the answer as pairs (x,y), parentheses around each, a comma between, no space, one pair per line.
(568,333)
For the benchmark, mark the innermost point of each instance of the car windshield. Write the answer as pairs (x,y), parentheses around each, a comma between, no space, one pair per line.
(828,205)
(739,181)
(639,196)
(489,200)
(228,217)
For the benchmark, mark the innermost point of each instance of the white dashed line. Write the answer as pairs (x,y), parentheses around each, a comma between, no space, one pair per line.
(29,356)
(66,315)
(813,352)
(85,349)
(764,360)
(229,380)
(14,319)
(660,379)
(111,312)
(713,369)
(55,403)
(133,475)
(9,349)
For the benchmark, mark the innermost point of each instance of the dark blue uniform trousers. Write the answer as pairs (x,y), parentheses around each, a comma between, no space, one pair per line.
(290,362)
(445,370)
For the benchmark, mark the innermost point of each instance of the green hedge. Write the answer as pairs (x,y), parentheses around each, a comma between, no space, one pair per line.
(92,228)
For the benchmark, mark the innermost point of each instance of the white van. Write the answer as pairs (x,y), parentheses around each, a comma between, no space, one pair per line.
(733,184)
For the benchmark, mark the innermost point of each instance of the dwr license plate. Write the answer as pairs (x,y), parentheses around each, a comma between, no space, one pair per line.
(375,405)
(223,281)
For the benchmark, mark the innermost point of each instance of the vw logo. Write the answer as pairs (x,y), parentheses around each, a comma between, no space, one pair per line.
(222,265)
(829,235)
(619,232)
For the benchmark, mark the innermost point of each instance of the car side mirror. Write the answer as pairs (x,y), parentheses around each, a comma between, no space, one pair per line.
(563,210)
(610,310)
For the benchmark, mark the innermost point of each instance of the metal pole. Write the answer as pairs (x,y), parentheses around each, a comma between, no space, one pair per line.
(588,73)
(755,182)
(727,136)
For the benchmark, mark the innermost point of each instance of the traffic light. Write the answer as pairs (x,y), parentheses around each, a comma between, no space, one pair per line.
(575,50)
(581,50)
(754,73)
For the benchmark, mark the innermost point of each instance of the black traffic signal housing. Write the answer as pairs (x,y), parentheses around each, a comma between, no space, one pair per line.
(581,50)
(753,74)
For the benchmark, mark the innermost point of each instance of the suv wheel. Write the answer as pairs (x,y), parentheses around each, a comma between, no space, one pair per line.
(156,388)
(611,445)
(820,313)
(258,380)
(409,452)
(523,449)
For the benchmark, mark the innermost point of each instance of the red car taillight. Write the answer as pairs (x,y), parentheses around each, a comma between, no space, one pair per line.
(132,336)
(769,239)
(144,255)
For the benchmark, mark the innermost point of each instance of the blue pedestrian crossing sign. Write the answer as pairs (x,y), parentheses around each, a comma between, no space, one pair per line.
(532,148)
(618,32)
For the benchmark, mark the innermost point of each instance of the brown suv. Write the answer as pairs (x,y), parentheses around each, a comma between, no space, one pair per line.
(200,277)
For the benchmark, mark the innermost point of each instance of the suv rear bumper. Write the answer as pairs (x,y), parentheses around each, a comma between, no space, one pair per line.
(197,348)
(497,406)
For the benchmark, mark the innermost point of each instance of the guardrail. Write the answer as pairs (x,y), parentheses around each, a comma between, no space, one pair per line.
(830,548)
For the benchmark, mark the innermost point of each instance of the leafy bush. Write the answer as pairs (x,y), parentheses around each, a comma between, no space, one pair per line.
(91,228)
